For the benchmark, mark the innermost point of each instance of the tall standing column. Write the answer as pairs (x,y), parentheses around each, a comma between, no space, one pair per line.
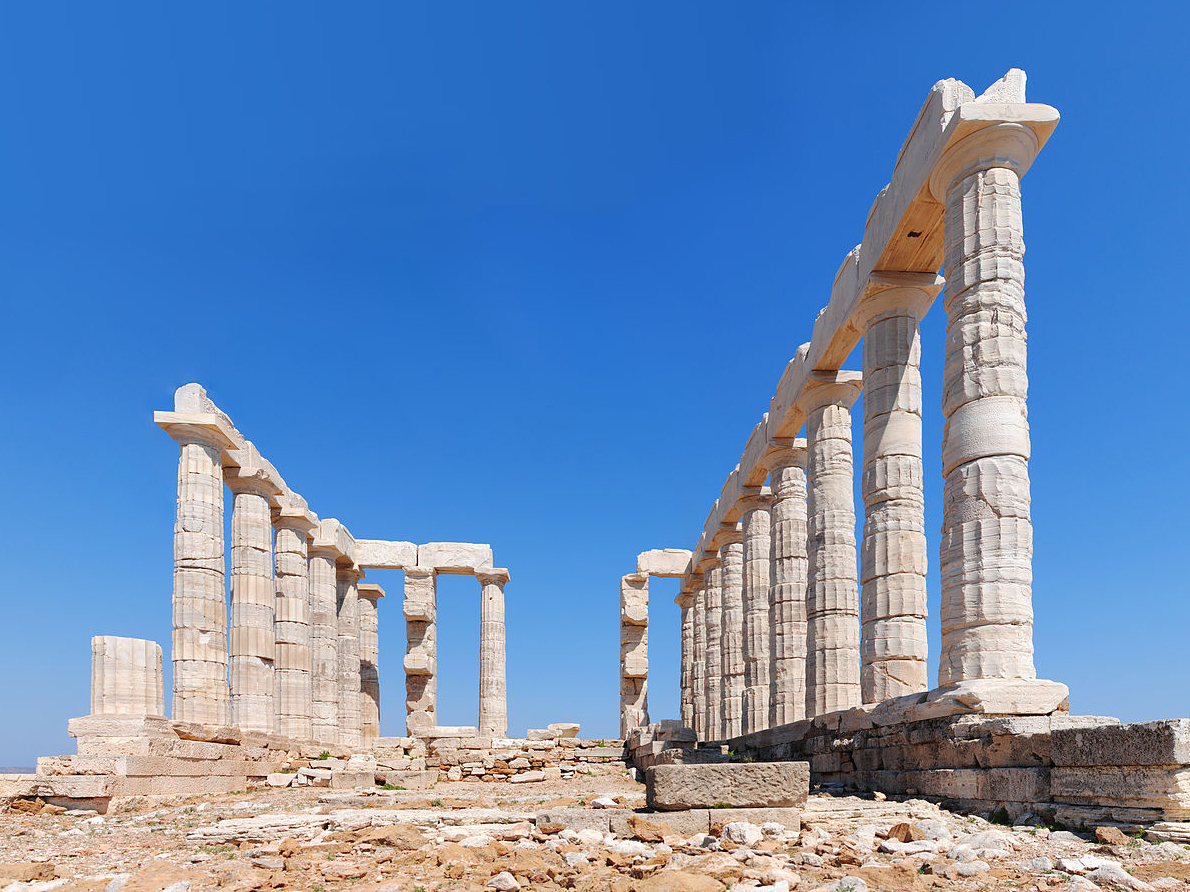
(253,643)
(756,521)
(686,699)
(324,644)
(832,634)
(698,677)
(713,667)
(348,655)
(731,635)
(893,551)
(493,684)
(634,652)
(199,650)
(291,669)
(987,529)
(787,588)
(421,649)
(369,663)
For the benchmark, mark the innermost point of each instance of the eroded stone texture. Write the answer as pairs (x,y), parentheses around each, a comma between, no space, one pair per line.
(832,659)
(348,655)
(634,652)
(789,566)
(291,667)
(324,645)
(369,663)
(731,636)
(698,691)
(686,693)
(493,684)
(736,785)
(712,667)
(755,520)
(987,531)
(421,649)
(126,677)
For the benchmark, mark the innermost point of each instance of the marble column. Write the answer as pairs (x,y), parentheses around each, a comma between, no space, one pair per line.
(252,641)
(634,652)
(987,530)
(324,644)
(347,579)
(787,584)
(493,684)
(421,649)
(832,610)
(686,693)
(756,521)
(199,651)
(698,677)
(713,667)
(126,677)
(369,663)
(291,668)
(731,635)
(893,550)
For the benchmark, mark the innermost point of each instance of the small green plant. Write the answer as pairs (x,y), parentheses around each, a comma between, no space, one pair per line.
(437,803)
(720,805)
(391,787)
(1000,816)
(317,887)
(214,850)
(325,754)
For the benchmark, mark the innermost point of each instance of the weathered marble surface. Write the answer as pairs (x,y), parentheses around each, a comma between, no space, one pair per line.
(126,677)
(787,589)
(493,683)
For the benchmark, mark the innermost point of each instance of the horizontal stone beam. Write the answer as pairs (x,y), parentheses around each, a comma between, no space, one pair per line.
(381,554)
(668,562)
(462,558)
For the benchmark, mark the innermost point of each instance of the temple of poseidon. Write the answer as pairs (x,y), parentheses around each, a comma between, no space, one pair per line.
(803,652)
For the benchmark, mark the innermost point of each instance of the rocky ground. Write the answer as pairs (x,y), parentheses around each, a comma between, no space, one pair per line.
(473,836)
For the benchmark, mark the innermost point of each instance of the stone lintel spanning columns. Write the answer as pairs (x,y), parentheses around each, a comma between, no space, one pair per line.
(755,508)
(685,601)
(893,551)
(634,652)
(493,680)
(786,463)
(832,659)
(369,662)
(126,677)
(712,592)
(293,522)
(987,531)
(698,658)
(326,550)
(347,577)
(421,650)
(731,635)
(199,651)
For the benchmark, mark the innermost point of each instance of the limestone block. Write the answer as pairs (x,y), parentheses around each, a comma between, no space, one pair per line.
(564,729)
(737,784)
(381,554)
(669,562)
(420,664)
(995,696)
(126,677)
(120,726)
(1165,742)
(1162,788)
(454,557)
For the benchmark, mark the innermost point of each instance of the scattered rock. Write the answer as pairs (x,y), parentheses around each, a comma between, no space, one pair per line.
(503,881)
(1111,836)
(906,832)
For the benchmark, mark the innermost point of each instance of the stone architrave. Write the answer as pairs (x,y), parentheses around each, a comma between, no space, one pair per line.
(126,677)
(698,692)
(987,529)
(893,551)
(199,640)
(832,614)
(493,683)
(787,584)
(324,640)
(291,668)
(755,520)
(634,652)
(369,662)
(348,655)
(421,649)
(685,602)
(712,666)
(731,635)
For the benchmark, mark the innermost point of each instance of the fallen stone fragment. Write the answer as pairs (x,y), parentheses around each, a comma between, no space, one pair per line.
(742,785)
(1111,836)
(906,832)
(1115,876)
(503,881)
(679,881)
(743,834)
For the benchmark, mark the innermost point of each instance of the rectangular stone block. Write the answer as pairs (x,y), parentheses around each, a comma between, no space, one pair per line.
(454,557)
(734,784)
(1134,787)
(380,554)
(664,562)
(1165,742)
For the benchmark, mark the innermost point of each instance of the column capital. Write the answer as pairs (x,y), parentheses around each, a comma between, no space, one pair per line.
(196,427)
(980,143)
(248,479)
(758,498)
(419,572)
(709,561)
(685,600)
(334,536)
(349,572)
(840,388)
(895,294)
(493,576)
(785,452)
(728,535)
(636,579)
(292,513)
(370,591)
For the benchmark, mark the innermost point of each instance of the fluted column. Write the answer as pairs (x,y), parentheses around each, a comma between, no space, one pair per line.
(126,677)
(253,600)
(634,652)
(893,551)
(712,667)
(698,639)
(369,662)
(291,668)
(755,519)
(493,684)
(731,636)
(324,645)
(987,530)
(421,649)
(348,655)
(832,659)
(787,585)
(685,675)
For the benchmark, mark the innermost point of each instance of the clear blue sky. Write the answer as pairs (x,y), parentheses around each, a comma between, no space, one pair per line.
(527,274)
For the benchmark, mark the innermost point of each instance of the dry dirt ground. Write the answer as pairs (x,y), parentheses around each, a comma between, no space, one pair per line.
(480,836)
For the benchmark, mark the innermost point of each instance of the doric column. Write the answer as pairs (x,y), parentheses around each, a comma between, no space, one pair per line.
(987,530)
(199,650)
(787,584)
(832,658)
(421,649)
(713,666)
(369,662)
(291,668)
(685,602)
(252,641)
(324,642)
(634,652)
(493,684)
(755,519)
(347,579)
(731,635)
(698,677)
(126,677)
(893,551)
